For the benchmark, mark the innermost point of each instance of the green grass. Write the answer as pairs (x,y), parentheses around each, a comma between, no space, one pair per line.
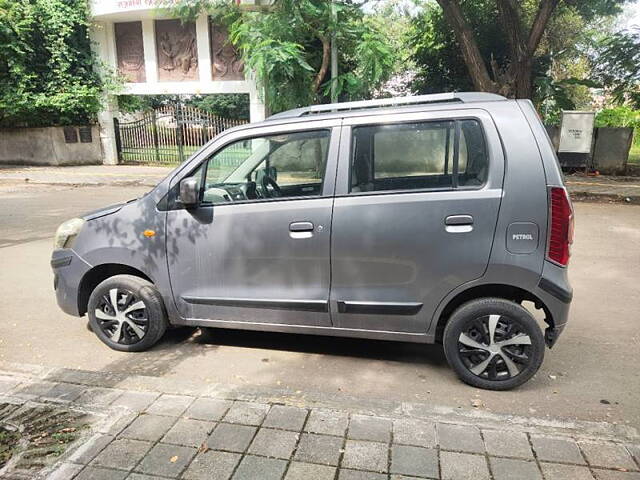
(147,155)
(169,155)
(634,153)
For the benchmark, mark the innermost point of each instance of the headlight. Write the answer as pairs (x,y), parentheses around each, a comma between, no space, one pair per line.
(67,232)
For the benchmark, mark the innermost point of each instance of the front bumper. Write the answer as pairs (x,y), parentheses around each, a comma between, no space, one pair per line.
(68,270)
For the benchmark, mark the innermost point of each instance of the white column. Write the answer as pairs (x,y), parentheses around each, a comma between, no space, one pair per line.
(149,45)
(107,132)
(204,46)
(257,108)
(103,40)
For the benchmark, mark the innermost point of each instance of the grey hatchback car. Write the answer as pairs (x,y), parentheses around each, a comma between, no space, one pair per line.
(436,218)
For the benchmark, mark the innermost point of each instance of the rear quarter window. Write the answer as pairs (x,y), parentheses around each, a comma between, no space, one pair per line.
(418,156)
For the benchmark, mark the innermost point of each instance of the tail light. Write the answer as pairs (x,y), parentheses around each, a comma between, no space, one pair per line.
(561,226)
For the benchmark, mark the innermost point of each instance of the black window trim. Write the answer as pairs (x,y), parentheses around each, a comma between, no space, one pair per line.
(456,121)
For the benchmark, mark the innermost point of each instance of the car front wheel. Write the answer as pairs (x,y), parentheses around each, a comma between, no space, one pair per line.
(493,343)
(127,313)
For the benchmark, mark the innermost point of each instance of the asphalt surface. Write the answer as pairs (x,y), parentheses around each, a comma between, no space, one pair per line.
(591,374)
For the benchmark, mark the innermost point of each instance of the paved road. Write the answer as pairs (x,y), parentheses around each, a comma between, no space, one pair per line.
(592,373)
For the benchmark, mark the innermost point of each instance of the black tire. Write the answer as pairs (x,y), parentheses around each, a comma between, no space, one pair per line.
(139,329)
(473,350)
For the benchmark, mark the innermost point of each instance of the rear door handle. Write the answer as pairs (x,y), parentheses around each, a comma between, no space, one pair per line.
(301,227)
(458,223)
(458,220)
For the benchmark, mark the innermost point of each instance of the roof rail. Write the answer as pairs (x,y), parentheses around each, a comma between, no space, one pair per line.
(463,97)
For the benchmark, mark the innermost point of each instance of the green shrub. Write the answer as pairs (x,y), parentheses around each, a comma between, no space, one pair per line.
(47,74)
(621,117)
(618,117)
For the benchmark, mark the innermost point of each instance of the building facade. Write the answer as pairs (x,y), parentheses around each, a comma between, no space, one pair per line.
(159,55)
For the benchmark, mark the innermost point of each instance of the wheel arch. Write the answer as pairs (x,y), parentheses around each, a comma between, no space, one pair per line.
(100,273)
(507,292)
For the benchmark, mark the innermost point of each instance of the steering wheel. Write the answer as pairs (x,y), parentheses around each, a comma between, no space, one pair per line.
(267,182)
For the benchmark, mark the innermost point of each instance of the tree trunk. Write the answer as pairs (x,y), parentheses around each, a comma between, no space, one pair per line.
(324,66)
(514,80)
(523,87)
(468,45)
(545,10)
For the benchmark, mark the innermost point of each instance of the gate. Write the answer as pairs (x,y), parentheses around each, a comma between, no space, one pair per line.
(167,135)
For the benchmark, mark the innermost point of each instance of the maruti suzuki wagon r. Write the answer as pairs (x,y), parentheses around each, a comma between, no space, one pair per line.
(420,219)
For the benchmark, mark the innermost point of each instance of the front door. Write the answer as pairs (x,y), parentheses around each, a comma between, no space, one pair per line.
(414,217)
(256,249)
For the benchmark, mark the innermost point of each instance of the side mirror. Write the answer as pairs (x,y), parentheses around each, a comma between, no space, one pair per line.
(189,191)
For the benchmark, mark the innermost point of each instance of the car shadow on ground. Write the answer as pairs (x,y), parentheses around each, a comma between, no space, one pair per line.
(415,353)
(183,343)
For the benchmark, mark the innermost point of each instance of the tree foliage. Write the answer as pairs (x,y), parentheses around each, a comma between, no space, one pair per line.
(230,105)
(47,74)
(617,66)
(287,47)
(501,46)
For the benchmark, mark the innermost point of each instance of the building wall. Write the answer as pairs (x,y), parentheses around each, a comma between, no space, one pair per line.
(107,13)
(611,147)
(47,146)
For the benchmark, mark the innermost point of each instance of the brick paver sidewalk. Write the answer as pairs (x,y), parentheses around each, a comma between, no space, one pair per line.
(148,429)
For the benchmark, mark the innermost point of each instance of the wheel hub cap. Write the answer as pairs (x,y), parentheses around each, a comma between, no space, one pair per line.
(494,347)
(122,316)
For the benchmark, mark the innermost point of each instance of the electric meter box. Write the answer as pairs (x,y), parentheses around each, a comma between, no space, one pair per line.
(576,132)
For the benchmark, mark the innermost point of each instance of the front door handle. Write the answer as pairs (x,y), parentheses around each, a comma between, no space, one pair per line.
(458,223)
(301,227)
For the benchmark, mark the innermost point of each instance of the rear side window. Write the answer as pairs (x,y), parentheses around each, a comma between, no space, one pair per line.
(418,156)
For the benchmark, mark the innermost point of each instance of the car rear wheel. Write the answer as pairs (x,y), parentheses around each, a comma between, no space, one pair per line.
(127,313)
(493,344)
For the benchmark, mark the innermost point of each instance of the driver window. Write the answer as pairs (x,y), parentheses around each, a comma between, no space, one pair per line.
(285,165)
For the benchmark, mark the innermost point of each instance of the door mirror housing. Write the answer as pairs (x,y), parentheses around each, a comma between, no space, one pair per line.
(189,192)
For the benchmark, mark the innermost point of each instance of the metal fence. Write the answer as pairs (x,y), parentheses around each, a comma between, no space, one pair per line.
(167,135)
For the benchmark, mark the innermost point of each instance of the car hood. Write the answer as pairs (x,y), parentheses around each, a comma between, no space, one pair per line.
(102,212)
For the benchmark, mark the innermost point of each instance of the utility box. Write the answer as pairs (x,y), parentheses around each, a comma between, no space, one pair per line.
(575,146)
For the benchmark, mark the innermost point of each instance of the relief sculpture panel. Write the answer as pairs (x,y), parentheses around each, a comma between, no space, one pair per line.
(130,51)
(177,51)
(225,60)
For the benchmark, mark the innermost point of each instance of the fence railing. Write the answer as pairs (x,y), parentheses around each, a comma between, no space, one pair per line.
(167,135)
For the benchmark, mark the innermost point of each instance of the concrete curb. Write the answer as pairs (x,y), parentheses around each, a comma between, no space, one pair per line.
(82,183)
(582,196)
(581,189)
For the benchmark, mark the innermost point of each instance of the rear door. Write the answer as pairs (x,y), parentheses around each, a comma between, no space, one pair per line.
(417,200)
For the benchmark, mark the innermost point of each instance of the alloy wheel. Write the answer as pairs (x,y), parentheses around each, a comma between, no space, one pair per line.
(122,316)
(495,347)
